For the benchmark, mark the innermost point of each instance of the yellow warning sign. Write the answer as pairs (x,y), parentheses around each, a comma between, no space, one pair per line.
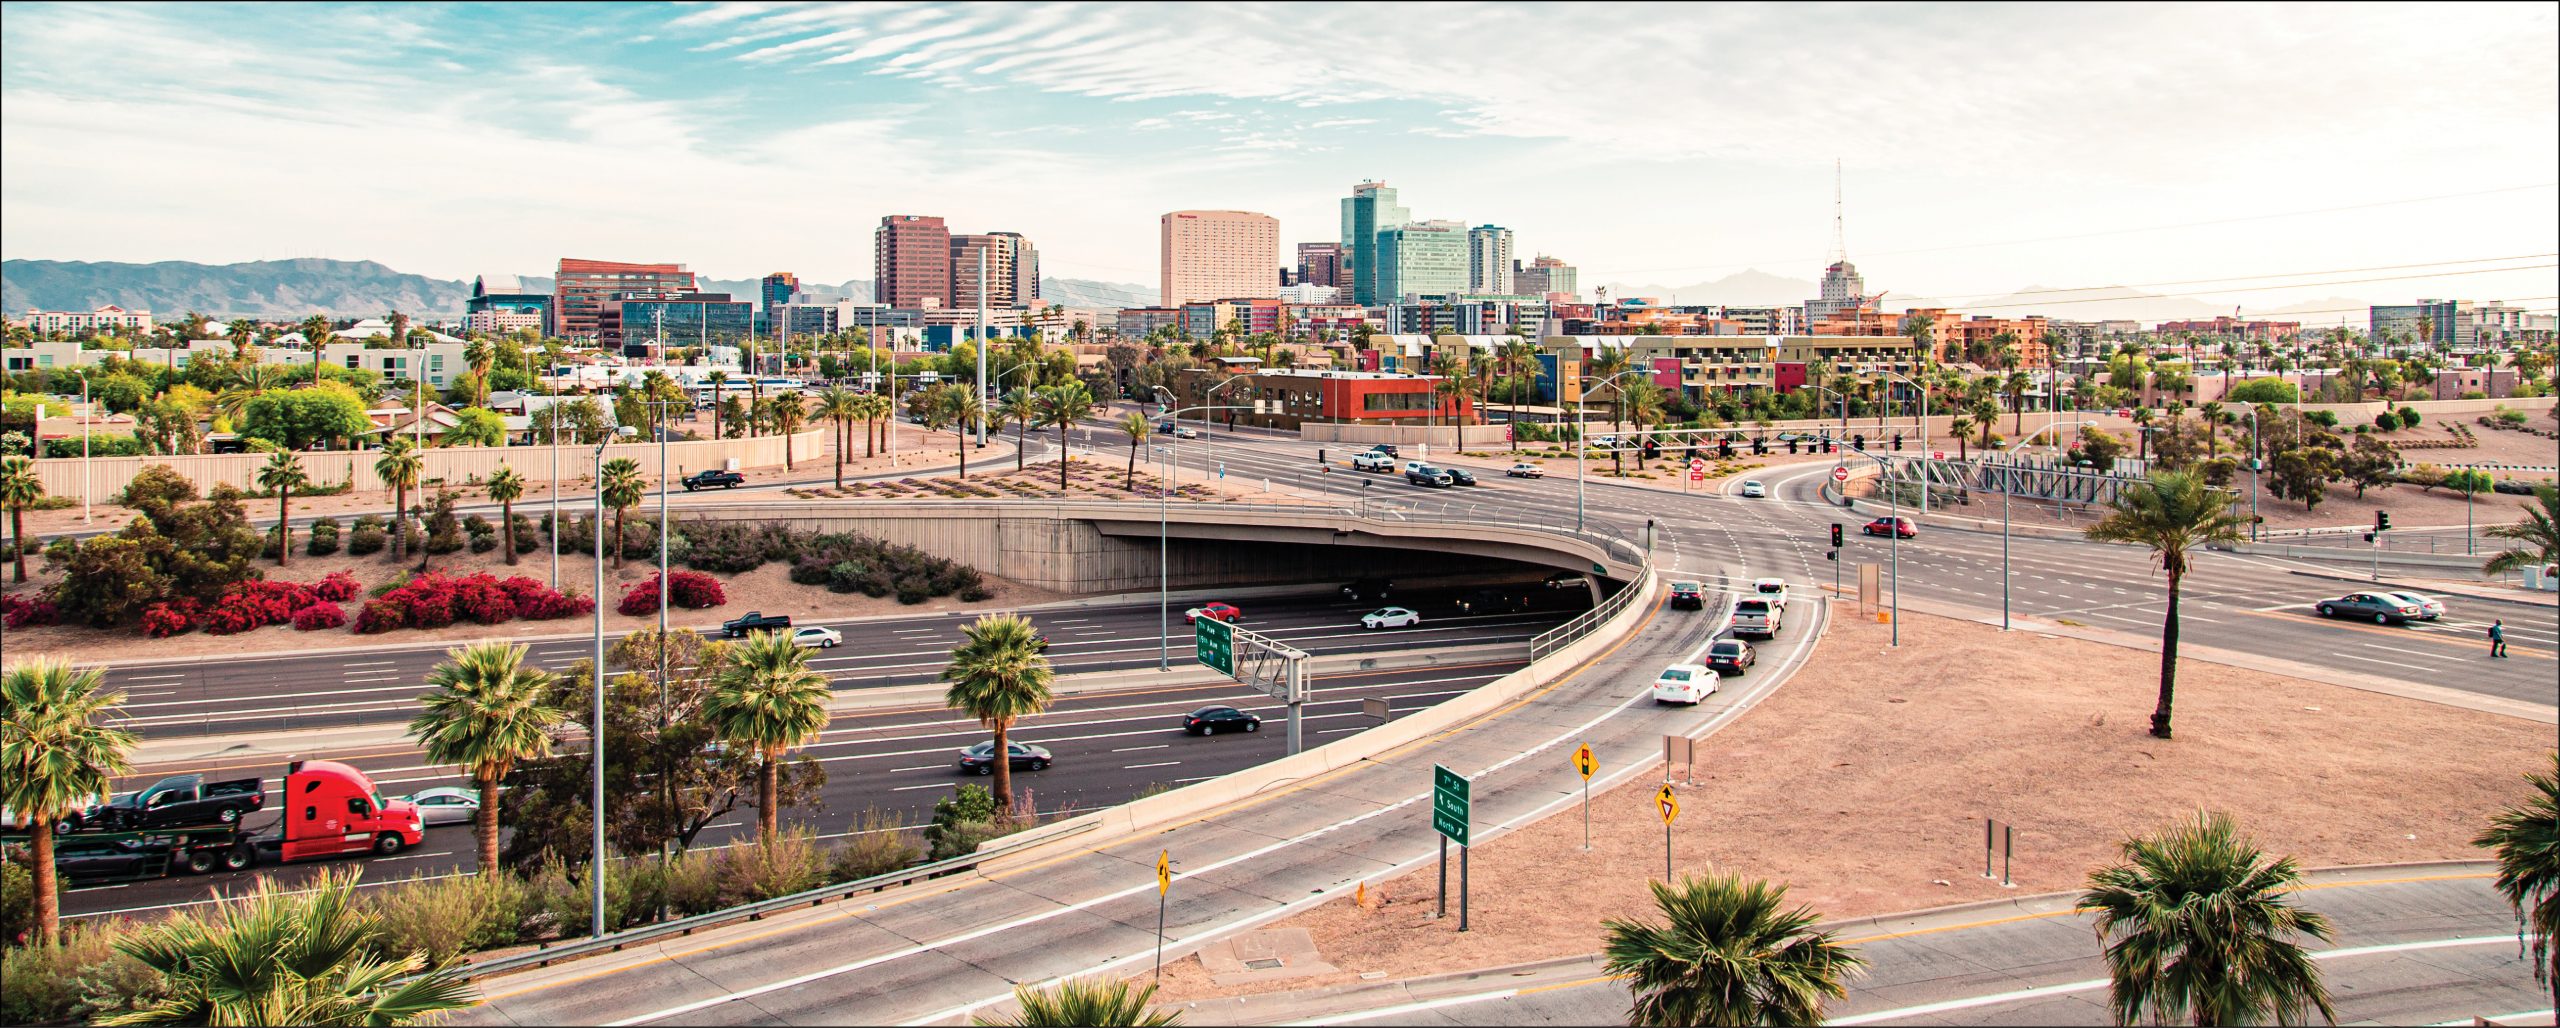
(1584,762)
(1164,871)
(1668,804)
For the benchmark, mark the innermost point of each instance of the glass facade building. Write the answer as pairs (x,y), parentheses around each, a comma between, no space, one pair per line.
(1426,257)
(1370,209)
(636,322)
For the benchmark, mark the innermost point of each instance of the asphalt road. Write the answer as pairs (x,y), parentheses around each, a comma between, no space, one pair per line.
(1108,747)
(295,691)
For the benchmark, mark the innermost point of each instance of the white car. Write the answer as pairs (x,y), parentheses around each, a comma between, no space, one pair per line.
(1390,617)
(1684,683)
(1524,469)
(1752,489)
(1186,433)
(446,806)
(1372,461)
(2429,608)
(815,637)
(1773,590)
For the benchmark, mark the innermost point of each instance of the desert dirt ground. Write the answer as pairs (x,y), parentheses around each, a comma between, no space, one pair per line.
(1862,786)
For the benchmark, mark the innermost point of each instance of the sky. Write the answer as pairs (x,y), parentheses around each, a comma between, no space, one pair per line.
(2255,155)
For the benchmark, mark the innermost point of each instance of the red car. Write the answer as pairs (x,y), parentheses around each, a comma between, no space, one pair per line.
(1213,611)
(1891,525)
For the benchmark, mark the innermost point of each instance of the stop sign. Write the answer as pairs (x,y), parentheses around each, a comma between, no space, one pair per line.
(1840,474)
(1937,455)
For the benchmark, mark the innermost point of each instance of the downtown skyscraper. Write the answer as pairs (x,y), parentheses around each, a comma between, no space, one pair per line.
(1370,209)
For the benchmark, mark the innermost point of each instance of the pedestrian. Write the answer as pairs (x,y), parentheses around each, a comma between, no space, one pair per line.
(2498,638)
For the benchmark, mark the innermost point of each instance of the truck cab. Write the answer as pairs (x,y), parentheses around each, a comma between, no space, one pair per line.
(331,809)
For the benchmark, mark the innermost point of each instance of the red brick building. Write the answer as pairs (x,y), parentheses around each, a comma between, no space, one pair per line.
(1288,399)
(911,258)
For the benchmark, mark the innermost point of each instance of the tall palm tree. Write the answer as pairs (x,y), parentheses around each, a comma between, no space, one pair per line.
(506,487)
(875,410)
(399,467)
(1516,357)
(766,696)
(55,759)
(1138,428)
(2175,514)
(719,380)
(1060,406)
(484,711)
(998,675)
(622,488)
(1645,402)
(1726,953)
(275,956)
(788,414)
(1084,1003)
(1019,407)
(962,405)
(1986,416)
(2196,925)
(479,354)
(19,490)
(1961,424)
(2526,838)
(2539,533)
(281,475)
(839,405)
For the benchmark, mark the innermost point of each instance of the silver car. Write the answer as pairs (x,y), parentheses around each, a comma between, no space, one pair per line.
(446,806)
(2429,609)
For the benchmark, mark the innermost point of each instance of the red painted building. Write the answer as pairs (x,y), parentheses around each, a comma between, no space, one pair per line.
(1288,399)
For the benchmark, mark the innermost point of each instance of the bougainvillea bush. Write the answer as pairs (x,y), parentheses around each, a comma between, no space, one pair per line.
(26,613)
(689,590)
(319,616)
(434,601)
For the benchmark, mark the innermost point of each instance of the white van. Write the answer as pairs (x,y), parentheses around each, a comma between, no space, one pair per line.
(1756,615)
(1684,683)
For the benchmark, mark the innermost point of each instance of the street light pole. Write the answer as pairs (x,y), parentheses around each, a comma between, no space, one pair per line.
(595,727)
(982,347)
(1893,545)
(1581,491)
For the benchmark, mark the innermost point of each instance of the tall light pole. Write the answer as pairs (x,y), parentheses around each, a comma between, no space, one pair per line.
(595,728)
(982,347)
(87,415)
(1893,545)
(1924,439)
(1164,551)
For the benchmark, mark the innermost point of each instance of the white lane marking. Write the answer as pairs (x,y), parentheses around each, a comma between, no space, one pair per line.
(153,678)
(1134,749)
(912,788)
(370,663)
(2518,1017)
(919,767)
(2387,663)
(1140,767)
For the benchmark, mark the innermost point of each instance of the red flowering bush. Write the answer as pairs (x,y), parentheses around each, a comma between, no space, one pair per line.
(434,601)
(484,601)
(339,587)
(381,615)
(19,613)
(162,620)
(691,590)
(319,616)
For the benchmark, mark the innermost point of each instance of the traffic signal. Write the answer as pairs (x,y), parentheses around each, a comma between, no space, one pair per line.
(1835,535)
(2381,521)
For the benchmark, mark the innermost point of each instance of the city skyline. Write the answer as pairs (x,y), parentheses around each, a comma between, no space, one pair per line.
(1068,126)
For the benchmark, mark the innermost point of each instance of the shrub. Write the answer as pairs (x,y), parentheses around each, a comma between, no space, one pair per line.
(338,587)
(879,844)
(2323,418)
(914,589)
(162,620)
(319,616)
(323,539)
(976,594)
(750,873)
(371,521)
(27,613)
(528,539)
(2409,417)
(2387,421)
(690,590)
(366,541)
(446,918)
(434,601)
(381,615)
(79,979)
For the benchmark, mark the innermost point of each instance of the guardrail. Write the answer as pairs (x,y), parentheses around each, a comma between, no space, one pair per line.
(1582,624)
(753,911)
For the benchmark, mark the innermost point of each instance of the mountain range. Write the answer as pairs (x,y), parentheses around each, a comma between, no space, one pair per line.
(1756,288)
(296,288)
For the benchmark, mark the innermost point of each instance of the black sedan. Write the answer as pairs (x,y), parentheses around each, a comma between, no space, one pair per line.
(977,760)
(2380,608)
(1213,720)
(1460,476)
(1730,657)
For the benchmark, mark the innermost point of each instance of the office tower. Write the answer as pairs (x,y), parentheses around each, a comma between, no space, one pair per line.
(1218,255)
(1370,209)
(911,262)
(1002,273)
(1489,260)
(1026,270)
(1422,259)
(1547,276)
(1319,264)
(583,286)
(780,288)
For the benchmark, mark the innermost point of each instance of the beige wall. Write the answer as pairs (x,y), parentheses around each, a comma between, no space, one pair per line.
(107,476)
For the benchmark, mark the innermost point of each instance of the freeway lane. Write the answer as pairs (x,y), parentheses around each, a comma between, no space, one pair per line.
(1109,748)
(321,690)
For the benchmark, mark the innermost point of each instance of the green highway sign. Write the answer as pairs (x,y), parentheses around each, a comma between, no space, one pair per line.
(1449,803)
(1216,642)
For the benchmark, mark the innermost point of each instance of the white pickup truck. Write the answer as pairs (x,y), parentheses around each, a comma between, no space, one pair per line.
(1372,461)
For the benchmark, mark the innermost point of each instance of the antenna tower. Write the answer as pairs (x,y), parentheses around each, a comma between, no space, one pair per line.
(1839,235)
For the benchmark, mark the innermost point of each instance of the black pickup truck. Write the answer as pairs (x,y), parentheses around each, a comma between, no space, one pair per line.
(180,800)
(713,479)
(754,621)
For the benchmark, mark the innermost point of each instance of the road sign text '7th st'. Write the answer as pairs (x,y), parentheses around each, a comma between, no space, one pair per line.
(1216,643)
(1449,792)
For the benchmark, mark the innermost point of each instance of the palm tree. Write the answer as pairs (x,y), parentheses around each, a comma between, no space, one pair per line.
(1019,407)
(2539,532)
(1060,406)
(622,488)
(19,489)
(2174,513)
(1725,953)
(2526,839)
(839,404)
(479,354)
(282,475)
(2212,410)
(55,759)
(505,486)
(875,410)
(399,467)
(718,380)
(1961,424)
(1986,416)
(964,408)
(484,711)
(766,696)
(1644,402)
(1084,1003)
(304,955)
(1138,428)
(2196,926)
(998,676)
(1515,358)
(788,414)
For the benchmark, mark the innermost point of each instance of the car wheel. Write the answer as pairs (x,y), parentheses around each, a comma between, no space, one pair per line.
(1039,765)
(229,816)
(2327,611)
(386,844)
(1253,726)
(986,769)
(2382,619)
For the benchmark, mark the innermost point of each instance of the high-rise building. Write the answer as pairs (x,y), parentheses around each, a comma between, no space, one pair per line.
(499,305)
(780,288)
(1026,269)
(583,286)
(1427,257)
(1002,282)
(1547,276)
(1843,289)
(1320,264)
(1370,209)
(1489,260)
(2411,328)
(1218,255)
(911,262)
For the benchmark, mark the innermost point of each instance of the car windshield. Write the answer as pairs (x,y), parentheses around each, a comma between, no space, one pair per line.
(1727,649)
(981,749)
(1772,587)
(1675,675)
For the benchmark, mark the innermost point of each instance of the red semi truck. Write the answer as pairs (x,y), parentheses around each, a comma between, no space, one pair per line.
(328,809)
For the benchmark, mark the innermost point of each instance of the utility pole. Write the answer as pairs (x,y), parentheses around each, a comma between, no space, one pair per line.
(982,346)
